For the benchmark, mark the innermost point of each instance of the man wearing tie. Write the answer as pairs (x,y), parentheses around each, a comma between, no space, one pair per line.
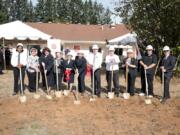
(18,60)
(95,61)
(167,65)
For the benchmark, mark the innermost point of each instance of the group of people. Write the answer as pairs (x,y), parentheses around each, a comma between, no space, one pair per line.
(65,67)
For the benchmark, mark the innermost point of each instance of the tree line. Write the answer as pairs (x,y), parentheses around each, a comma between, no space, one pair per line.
(64,11)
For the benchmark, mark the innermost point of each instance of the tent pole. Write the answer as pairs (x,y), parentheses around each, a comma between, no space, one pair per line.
(4,55)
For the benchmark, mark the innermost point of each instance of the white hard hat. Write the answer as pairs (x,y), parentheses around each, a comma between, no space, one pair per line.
(69,54)
(166,48)
(129,51)
(95,47)
(111,48)
(19,44)
(149,47)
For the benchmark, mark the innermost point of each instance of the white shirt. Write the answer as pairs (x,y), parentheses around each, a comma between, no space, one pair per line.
(95,60)
(32,61)
(14,58)
(112,62)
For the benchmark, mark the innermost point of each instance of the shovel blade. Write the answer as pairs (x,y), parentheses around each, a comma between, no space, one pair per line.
(66,92)
(58,94)
(92,99)
(148,101)
(49,97)
(36,96)
(22,99)
(77,102)
(111,95)
(126,95)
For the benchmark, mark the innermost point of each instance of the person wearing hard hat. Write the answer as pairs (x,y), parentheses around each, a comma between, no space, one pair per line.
(130,64)
(69,70)
(47,61)
(148,63)
(95,61)
(112,64)
(18,61)
(32,68)
(167,65)
(59,68)
(81,63)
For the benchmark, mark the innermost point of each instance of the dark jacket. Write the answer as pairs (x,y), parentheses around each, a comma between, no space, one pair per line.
(168,64)
(49,65)
(81,65)
(49,62)
(60,66)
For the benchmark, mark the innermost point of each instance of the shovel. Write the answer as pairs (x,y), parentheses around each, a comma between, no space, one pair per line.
(93,91)
(111,93)
(162,86)
(36,95)
(126,95)
(66,92)
(47,94)
(76,94)
(147,99)
(58,93)
(22,97)
(93,88)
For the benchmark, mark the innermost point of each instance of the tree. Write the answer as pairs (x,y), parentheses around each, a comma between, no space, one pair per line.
(3,15)
(40,11)
(155,22)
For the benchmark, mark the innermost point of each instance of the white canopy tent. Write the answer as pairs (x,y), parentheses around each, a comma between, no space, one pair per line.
(20,31)
(17,30)
(125,39)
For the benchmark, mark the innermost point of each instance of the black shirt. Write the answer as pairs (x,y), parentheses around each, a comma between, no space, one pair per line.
(148,60)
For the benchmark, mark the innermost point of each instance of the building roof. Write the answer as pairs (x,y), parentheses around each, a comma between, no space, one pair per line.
(79,32)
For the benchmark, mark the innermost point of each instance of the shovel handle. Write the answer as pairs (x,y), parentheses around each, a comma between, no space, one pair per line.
(146,82)
(20,73)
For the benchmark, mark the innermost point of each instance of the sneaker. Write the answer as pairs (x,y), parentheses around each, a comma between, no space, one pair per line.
(150,96)
(141,94)
(14,93)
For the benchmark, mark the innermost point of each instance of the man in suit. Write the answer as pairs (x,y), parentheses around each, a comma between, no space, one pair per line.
(167,65)
(80,63)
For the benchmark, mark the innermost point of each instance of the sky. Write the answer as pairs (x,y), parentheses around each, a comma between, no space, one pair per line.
(107,4)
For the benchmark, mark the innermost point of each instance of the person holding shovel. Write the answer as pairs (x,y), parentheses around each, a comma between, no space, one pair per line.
(95,61)
(130,64)
(69,66)
(167,65)
(112,67)
(18,61)
(58,62)
(32,69)
(148,63)
(80,63)
(46,66)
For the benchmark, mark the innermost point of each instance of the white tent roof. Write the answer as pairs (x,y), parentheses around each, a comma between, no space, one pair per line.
(124,39)
(19,30)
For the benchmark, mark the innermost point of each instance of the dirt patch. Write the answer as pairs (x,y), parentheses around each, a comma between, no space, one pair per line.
(102,117)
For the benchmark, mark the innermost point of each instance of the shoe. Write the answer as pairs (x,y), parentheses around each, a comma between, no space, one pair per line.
(141,94)
(163,100)
(150,96)
(14,93)
(117,94)
(131,94)
(98,95)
